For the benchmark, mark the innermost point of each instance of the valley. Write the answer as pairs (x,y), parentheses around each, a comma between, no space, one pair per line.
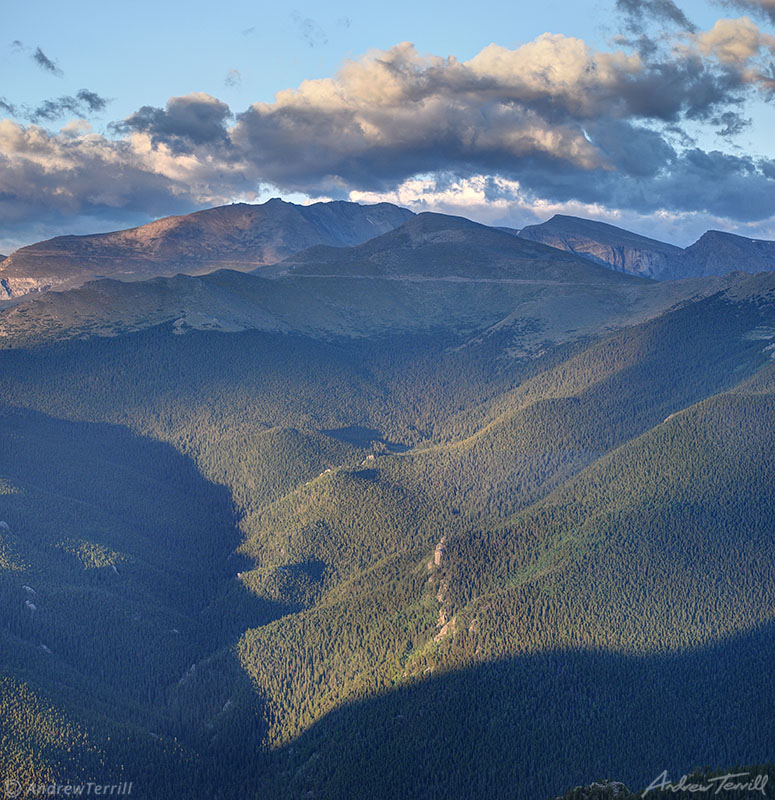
(394,519)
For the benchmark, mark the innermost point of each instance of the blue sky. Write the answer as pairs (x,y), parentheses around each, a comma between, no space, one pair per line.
(162,49)
(242,53)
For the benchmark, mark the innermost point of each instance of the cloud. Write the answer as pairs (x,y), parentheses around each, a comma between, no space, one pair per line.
(45,63)
(309,30)
(764,8)
(396,113)
(186,122)
(734,41)
(566,123)
(494,200)
(731,123)
(85,102)
(60,177)
(638,13)
(233,78)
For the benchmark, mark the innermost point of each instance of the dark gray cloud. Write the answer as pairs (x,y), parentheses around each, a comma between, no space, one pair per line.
(45,63)
(9,108)
(694,182)
(731,123)
(639,13)
(82,104)
(190,121)
(760,8)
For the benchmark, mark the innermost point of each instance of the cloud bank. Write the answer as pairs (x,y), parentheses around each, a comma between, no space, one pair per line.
(570,126)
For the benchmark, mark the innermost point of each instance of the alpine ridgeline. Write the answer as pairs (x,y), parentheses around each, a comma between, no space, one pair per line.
(238,236)
(714,253)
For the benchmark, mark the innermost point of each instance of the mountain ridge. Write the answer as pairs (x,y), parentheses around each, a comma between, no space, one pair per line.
(714,253)
(435,272)
(239,236)
(436,245)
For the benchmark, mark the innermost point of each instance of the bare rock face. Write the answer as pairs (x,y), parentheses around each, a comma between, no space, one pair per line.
(607,245)
(239,236)
(714,253)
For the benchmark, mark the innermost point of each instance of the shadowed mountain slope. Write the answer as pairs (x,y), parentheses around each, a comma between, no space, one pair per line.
(441,246)
(716,253)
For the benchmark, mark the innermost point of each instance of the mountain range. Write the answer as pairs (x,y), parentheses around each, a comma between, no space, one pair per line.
(714,253)
(248,237)
(435,272)
(238,236)
(440,512)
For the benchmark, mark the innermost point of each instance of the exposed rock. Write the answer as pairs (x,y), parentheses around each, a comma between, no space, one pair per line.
(606,244)
(438,553)
(599,791)
(447,628)
(714,253)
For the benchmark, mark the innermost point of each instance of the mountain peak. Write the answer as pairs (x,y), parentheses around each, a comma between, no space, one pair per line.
(239,236)
(441,246)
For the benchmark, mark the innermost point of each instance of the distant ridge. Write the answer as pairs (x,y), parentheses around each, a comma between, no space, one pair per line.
(717,252)
(238,236)
(438,245)
(246,237)
(714,253)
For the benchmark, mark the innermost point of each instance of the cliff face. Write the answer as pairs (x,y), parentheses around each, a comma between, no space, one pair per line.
(714,253)
(605,244)
(238,236)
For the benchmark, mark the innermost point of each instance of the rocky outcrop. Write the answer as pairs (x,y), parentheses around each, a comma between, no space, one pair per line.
(600,791)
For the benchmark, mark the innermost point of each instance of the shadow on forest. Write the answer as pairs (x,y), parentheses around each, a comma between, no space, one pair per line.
(535,726)
(529,727)
(128,554)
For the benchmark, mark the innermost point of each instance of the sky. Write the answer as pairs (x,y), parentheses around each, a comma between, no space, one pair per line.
(655,115)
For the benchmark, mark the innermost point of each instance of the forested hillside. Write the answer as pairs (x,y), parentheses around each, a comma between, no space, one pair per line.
(411,562)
